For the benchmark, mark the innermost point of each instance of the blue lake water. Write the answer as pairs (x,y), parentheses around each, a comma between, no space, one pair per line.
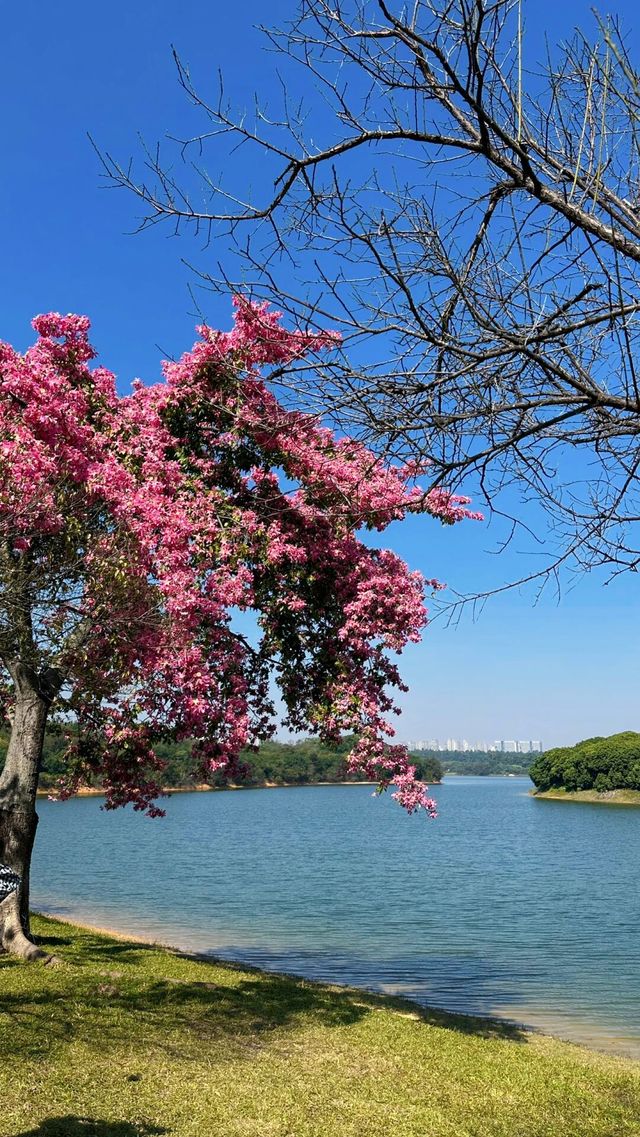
(505,905)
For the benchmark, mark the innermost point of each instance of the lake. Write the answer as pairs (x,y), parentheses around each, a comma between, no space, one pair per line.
(504,905)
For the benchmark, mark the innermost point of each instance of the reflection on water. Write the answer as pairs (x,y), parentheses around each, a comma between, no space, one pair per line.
(504,905)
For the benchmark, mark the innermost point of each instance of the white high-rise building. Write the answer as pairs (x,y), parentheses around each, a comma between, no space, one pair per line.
(501,745)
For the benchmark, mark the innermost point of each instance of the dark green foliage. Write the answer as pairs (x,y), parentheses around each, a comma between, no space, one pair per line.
(279,763)
(309,761)
(596,764)
(428,767)
(299,763)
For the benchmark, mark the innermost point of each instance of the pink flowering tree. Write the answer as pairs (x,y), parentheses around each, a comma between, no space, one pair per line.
(131,530)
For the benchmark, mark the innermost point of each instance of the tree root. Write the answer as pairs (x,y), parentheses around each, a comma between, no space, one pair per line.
(12,937)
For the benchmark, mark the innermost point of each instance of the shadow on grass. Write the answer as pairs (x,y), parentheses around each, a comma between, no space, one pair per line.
(90,947)
(110,993)
(89,1127)
(117,1009)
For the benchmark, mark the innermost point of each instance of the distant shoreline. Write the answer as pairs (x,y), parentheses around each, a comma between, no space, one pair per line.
(203,788)
(594,797)
(95,791)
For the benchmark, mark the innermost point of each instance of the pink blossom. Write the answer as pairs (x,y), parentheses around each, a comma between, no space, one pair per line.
(146,520)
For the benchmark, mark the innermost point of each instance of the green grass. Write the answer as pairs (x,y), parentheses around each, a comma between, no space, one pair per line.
(606,797)
(124,1040)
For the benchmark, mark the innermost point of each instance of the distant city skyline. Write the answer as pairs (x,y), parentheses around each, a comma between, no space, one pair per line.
(500,746)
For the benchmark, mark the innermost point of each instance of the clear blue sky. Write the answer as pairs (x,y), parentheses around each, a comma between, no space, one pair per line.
(556,671)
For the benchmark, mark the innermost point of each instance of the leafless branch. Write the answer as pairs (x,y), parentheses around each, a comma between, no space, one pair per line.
(470,219)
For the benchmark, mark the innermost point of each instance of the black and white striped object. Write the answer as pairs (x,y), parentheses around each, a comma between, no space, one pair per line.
(9,881)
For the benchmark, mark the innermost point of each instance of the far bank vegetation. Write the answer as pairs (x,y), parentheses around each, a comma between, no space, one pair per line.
(307,762)
(595,769)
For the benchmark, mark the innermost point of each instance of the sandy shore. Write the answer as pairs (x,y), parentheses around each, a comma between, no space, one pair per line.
(606,797)
(94,791)
(114,933)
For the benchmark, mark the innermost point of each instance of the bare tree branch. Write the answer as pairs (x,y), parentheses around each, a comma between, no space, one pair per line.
(470,221)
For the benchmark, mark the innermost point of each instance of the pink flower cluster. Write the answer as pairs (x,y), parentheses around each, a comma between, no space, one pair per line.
(137,525)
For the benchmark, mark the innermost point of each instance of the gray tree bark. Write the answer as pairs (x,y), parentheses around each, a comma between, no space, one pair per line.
(18,816)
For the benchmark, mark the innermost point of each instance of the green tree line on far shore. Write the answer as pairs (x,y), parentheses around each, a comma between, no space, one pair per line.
(480,763)
(298,763)
(599,764)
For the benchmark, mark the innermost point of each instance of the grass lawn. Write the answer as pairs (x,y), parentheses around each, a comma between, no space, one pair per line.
(124,1040)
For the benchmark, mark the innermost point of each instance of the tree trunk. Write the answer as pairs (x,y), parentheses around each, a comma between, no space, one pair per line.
(18,817)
